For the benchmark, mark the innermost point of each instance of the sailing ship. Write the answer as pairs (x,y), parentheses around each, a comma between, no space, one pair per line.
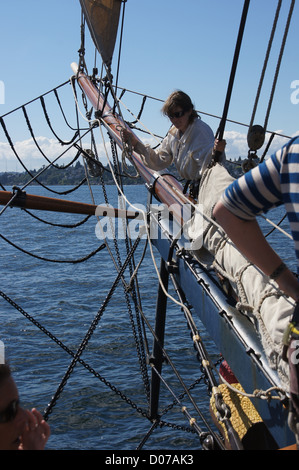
(249,402)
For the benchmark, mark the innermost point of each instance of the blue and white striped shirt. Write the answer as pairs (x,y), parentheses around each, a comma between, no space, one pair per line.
(270,184)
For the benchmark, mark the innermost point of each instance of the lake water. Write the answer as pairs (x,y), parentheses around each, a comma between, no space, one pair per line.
(101,410)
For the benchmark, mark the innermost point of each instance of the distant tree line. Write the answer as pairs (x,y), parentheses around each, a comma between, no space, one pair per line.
(73,175)
(54,176)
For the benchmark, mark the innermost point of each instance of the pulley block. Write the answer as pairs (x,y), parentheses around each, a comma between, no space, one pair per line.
(256,137)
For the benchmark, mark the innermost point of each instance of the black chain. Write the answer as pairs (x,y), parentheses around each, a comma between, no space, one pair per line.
(89,332)
(69,261)
(71,353)
(139,344)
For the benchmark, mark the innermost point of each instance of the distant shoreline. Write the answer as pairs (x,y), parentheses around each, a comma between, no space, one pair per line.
(61,176)
(75,175)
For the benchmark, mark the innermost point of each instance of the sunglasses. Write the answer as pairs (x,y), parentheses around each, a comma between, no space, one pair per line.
(10,412)
(177,115)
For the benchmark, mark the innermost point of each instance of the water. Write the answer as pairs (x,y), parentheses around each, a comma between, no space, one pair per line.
(65,298)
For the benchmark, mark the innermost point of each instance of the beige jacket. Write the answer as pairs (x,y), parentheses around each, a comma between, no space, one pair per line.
(191,153)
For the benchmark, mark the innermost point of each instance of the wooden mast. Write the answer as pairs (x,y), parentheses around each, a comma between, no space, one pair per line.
(30,201)
(165,187)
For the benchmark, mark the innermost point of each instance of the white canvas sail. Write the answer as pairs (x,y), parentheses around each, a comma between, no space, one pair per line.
(102,17)
(259,297)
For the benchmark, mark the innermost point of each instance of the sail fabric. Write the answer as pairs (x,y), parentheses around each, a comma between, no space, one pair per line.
(102,17)
(259,297)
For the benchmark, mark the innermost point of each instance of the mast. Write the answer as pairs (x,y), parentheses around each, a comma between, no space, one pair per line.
(29,201)
(165,187)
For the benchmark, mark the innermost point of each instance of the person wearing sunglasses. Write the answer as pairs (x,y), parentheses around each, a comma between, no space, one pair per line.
(19,429)
(189,143)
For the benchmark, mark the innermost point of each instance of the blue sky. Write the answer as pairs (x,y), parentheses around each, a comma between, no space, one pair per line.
(167,44)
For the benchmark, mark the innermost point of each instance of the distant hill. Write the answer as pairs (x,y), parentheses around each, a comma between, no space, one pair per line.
(54,176)
(75,174)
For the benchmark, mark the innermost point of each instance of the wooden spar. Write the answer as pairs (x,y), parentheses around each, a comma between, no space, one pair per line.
(166,187)
(30,201)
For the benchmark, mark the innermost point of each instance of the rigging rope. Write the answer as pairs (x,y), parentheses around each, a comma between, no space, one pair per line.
(89,333)
(220,131)
(132,289)
(41,151)
(71,353)
(35,177)
(133,274)
(62,142)
(256,141)
(52,224)
(121,268)
(76,261)
(265,64)
(280,59)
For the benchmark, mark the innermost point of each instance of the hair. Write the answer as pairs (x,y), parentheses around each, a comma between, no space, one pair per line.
(181,99)
(4,372)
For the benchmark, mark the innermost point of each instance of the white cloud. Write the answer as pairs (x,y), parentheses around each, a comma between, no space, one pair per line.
(32,158)
(27,150)
(237,145)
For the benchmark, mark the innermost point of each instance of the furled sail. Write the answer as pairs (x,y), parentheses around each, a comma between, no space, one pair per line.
(102,17)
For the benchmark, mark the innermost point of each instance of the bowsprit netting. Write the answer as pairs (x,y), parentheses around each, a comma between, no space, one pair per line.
(121,253)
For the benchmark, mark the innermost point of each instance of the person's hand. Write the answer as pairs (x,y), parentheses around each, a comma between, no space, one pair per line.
(129,137)
(219,145)
(37,432)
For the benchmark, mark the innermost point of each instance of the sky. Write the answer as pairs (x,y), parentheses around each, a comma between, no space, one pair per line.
(166,45)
